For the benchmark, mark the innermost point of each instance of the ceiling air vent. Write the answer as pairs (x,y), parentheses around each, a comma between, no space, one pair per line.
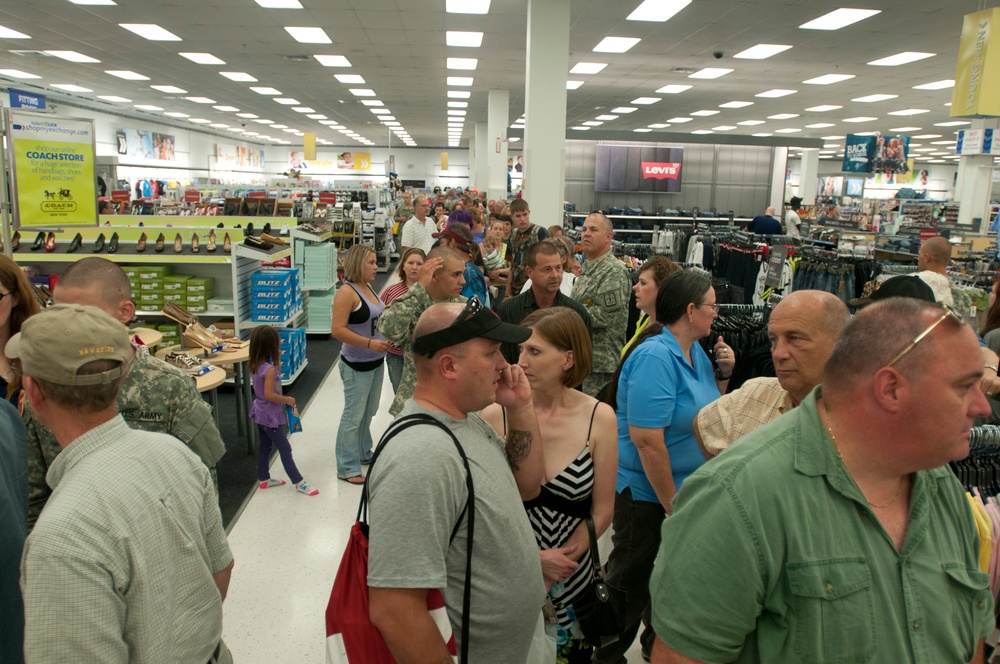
(684,70)
(30,54)
(296,58)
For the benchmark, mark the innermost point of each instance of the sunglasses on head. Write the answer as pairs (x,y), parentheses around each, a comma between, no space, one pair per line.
(949,312)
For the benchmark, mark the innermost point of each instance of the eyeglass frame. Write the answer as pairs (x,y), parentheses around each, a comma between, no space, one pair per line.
(714,305)
(949,312)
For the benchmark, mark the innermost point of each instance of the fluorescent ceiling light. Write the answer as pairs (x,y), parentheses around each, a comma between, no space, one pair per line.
(606,117)
(705,114)
(904,129)
(362,92)
(199,120)
(839,18)
(823,108)
(645,101)
(783,116)
(774,94)
(226,109)
(72,56)
(350,78)
(460,81)
(169,89)
(246,115)
(391,123)
(820,125)
(942,142)
(750,123)
(837,145)
(673,89)
(218,125)
(240,76)
(305,35)
(287,101)
(279,4)
(787,131)
(150,31)
(657,10)
(736,104)
(580,128)
(762,51)
(203,58)
(624,109)
(592,123)
(467,6)
(462,63)
(388,117)
(7,33)
(127,75)
(176,114)
(332,60)
(303,109)
(278,126)
(702,131)
(147,107)
(114,99)
(936,85)
(17,73)
(460,94)
(862,118)
(265,91)
(588,67)
(909,111)
(710,72)
(927,136)
(616,44)
(680,120)
(264,121)
(642,130)
(953,123)
(832,138)
(234,129)
(372,102)
(762,135)
(463,39)
(514,139)
(903,58)
(69,87)
(459,112)
(829,79)
(876,97)
(724,128)
(458,104)
(200,100)
(659,125)
(380,111)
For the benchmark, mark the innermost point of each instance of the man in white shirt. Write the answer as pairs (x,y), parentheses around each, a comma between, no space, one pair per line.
(792,219)
(419,229)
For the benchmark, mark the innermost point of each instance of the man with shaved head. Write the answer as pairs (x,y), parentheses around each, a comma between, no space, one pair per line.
(803,330)
(765,224)
(933,259)
(418,495)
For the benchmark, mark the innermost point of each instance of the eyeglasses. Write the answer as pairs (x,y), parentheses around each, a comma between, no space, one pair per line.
(714,306)
(949,312)
(472,307)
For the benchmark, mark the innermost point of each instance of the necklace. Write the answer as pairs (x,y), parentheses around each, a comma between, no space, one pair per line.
(899,489)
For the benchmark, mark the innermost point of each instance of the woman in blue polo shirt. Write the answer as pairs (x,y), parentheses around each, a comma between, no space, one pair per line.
(662,383)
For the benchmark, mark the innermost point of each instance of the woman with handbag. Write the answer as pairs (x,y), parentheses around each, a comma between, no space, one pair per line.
(581,458)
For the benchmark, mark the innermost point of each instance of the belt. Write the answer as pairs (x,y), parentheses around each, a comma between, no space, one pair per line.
(215,655)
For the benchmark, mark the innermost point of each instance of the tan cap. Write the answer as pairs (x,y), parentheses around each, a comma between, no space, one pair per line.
(54,344)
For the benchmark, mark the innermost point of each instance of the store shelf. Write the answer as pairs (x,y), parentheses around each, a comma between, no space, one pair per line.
(309,237)
(294,376)
(285,323)
(122,256)
(272,255)
(321,288)
(203,314)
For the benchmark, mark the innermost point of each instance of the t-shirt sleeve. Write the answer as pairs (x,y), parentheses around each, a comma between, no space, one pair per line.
(708,537)
(652,391)
(416,495)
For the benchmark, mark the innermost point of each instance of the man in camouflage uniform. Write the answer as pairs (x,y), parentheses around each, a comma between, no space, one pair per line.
(154,397)
(441,280)
(524,236)
(603,288)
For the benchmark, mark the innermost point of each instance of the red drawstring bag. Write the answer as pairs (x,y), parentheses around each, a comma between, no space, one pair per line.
(351,638)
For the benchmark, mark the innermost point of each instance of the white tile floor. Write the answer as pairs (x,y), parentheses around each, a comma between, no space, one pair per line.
(287,546)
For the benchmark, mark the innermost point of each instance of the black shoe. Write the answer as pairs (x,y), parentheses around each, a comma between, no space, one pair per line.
(267,228)
(220,225)
(39,242)
(15,242)
(257,243)
(113,244)
(249,230)
(99,244)
(75,244)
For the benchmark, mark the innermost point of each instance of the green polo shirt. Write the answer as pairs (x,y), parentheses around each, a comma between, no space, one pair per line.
(773,555)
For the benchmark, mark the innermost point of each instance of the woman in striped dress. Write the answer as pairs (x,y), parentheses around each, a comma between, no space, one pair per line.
(579,443)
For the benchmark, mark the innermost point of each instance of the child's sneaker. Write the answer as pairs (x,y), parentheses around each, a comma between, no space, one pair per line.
(269,482)
(303,487)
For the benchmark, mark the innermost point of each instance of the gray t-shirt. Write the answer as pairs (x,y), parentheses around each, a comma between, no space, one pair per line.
(417,491)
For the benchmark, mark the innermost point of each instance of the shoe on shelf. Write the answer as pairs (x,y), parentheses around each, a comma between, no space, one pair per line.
(113,244)
(271,481)
(159,243)
(267,228)
(221,225)
(257,243)
(140,246)
(39,241)
(176,313)
(195,244)
(198,336)
(75,244)
(285,230)
(15,241)
(272,239)
(185,362)
(50,242)
(99,244)
(211,246)
(248,231)
(303,487)
(227,244)
(178,244)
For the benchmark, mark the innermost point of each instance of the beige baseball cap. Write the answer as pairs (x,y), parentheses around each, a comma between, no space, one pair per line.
(54,344)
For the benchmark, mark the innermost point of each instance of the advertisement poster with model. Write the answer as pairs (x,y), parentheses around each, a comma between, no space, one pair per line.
(52,168)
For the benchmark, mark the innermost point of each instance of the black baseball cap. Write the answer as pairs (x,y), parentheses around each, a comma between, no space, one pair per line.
(475,321)
(901,286)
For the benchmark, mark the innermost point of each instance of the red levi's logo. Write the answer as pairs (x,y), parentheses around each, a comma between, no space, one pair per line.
(660,170)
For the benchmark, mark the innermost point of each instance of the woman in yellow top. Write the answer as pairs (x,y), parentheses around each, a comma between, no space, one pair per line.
(651,275)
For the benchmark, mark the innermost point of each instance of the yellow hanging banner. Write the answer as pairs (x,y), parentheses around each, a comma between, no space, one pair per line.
(444,161)
(977,75)
(309,146)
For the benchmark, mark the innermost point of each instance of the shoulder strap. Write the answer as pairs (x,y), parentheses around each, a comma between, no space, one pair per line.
(595,555)
(592,413)
(468,511)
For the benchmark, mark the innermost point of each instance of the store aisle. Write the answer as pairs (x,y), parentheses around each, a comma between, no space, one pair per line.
(287,546)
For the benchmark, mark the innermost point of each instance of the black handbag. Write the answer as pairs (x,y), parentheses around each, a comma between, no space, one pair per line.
(600,609)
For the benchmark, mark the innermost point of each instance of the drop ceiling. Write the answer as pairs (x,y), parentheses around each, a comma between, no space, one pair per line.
(398,48)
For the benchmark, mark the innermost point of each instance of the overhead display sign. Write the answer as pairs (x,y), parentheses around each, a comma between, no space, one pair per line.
(978,141)
(977,74)
(876,154)
(146,145)
(638,168)
(52,168)
(22,99)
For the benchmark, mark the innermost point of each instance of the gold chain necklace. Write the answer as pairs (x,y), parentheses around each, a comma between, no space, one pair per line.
(899,489)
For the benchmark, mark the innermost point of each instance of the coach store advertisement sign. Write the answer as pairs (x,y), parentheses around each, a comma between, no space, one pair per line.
(638,168)
(52,166)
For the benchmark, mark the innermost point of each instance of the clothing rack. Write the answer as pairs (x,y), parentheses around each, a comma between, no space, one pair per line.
(984,438)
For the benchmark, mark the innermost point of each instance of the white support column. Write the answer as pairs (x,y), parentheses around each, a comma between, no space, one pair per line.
(472,159)
(545,109)
(809,174)
(975,181)
(482,179)
(779,165)
(497,117)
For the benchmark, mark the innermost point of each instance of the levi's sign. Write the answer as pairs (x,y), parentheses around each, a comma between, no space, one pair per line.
(660,170)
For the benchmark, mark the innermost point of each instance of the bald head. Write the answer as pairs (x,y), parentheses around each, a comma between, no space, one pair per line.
(96,282)
(828,311)
(769,211)
(436,317)
(935,254)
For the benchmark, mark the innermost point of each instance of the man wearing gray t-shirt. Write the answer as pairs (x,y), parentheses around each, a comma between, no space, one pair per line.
(418,491)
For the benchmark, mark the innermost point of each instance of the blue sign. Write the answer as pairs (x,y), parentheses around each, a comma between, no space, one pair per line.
(858,154)
(21,99)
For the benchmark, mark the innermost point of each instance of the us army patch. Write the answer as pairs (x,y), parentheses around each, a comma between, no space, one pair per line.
(610,299)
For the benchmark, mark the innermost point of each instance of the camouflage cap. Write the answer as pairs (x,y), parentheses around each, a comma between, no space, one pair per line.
(54,344)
